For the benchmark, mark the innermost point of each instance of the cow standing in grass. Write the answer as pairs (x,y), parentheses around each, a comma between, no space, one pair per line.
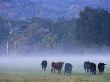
(101,67)
(93,68)
(57,66)
(44,65)
(68,68)
(87,66)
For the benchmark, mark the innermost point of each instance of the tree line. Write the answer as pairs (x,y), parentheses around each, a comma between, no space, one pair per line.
(92,27)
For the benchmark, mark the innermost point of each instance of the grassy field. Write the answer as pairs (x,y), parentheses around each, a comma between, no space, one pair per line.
(40,76)
(31,72)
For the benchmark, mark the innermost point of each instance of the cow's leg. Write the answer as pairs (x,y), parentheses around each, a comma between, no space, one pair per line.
(44,68)
(99,71)
(65,71)
(95,72)
(87,70)
(60,71)
(102,71)
(92,71)
(70,72)
(52,70)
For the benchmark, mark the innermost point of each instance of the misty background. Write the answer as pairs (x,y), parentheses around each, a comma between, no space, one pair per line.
(32,65)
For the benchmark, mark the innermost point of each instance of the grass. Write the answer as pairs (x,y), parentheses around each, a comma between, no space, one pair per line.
(39,76)
(34,74)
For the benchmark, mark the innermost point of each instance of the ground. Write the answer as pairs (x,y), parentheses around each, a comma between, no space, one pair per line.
(40,76)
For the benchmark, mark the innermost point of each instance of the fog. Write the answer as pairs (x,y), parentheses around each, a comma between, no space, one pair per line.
(22,64)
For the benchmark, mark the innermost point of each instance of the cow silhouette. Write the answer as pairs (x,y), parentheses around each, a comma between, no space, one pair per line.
(93,68)
(44,65)
(101,67)
(68,68)
(90,67)
(87,66)
(57,66)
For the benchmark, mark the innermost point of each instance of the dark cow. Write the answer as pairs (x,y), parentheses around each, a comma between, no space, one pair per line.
(68,68)
(87,66)
(93,68)
(44,65)
(57,66)
(101,67)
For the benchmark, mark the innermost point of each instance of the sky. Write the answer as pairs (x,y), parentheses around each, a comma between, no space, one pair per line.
(47,8)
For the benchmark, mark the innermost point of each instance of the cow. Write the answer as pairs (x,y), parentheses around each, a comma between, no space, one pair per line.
(93,68)
(44,65)
(57,66)
(101,67)
(87,66)
(68,68)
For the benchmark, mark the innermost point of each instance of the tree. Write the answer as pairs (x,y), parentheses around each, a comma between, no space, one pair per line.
(93,26)
(4,32)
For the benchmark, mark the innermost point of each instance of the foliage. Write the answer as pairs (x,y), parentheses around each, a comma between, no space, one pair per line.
(93,26)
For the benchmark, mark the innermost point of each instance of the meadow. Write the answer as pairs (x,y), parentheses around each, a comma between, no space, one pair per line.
(27,70)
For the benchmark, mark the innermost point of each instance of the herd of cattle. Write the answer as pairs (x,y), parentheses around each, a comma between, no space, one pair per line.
(89,67)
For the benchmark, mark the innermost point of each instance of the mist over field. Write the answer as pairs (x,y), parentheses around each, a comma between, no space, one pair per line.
(33,64)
